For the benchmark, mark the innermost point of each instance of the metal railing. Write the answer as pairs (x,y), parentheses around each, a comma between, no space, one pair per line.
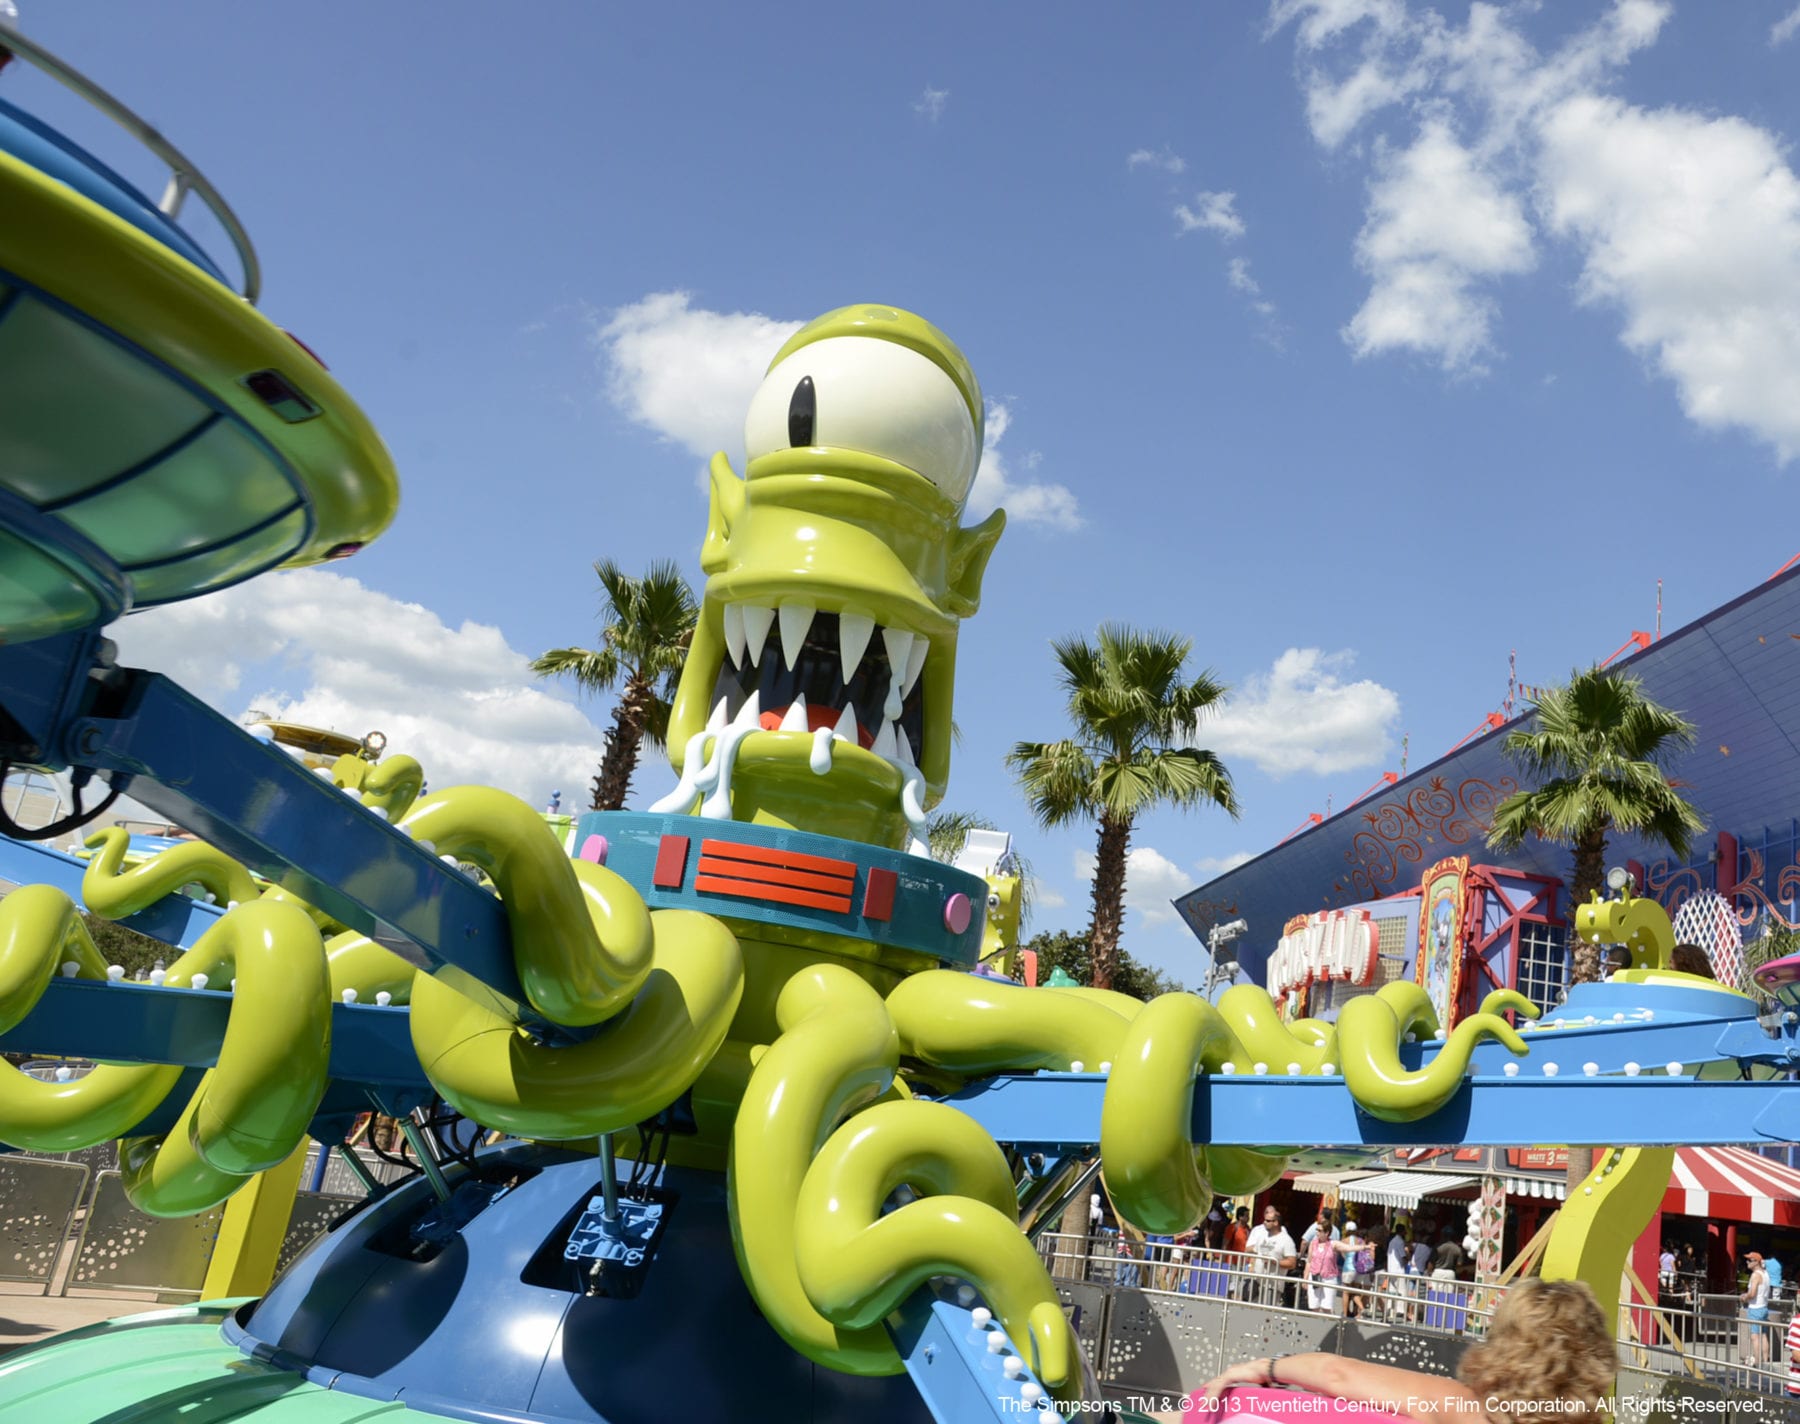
(184,175)
(1703,1338)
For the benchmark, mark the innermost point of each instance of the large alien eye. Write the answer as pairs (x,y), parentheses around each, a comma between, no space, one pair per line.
(863,393)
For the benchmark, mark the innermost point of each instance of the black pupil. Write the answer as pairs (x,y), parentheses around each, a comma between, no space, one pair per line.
(803,410)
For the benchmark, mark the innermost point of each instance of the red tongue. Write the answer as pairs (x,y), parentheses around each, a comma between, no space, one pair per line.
(817,717)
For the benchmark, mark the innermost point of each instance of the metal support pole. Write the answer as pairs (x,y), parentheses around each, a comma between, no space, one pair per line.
(609,1183)
(421,1147)
(1061,1204)
(361,1173)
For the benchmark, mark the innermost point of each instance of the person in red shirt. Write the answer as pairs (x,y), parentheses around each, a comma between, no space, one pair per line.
(1237,1235)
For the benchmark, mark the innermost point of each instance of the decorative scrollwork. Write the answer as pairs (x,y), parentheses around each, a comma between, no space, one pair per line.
(1395,828)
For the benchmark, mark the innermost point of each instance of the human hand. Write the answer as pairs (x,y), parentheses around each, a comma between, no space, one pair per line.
(1245,1372)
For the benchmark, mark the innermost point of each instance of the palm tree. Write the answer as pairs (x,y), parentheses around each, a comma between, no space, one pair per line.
(1135,714)
(1595,749)
(646,625)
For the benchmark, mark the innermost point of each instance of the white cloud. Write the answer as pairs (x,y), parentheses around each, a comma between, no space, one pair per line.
(1302,715)
(1690,229)
(317,647)
(1437,225)
(1053,506)
(1686,224)
(1213,866)
(1163,159)
(931,103)
(685,372)
(1237,273)
(1152,880)
(1212,212)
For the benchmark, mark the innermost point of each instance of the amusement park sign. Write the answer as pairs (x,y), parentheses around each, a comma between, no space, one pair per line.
(1337,945)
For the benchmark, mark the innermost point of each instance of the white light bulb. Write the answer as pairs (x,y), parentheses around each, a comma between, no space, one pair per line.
(384,998)
(1076,1066)
(1674,1070)
(1293,1070)
(199,981)
(348,996)
(1550,1070)
(1013,1366)
(1632,1070)
(1228,1067)
(115,972)
(1511,1070)
(1591,1069)
(996,1342)
(980,1317)
(1259,1069)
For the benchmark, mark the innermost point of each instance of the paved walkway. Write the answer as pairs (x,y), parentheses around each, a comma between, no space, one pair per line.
(27,1315)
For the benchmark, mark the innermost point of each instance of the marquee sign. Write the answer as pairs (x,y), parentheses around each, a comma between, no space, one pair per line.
(1337,945)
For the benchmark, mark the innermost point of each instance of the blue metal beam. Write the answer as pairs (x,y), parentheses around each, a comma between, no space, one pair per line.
(69,706)
(141,1023)
(960,1379)
(1058,1112)
(174,919)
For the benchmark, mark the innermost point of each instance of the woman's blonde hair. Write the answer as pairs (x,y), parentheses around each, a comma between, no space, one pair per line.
(1549,1340)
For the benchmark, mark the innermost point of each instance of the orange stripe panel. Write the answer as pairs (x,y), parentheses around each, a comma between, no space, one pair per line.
(791,859)
(773,875)
(776,894)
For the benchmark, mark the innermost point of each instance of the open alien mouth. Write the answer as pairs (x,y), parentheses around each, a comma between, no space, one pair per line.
(819,674)
(823,670)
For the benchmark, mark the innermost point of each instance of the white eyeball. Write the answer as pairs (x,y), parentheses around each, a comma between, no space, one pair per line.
(864,393)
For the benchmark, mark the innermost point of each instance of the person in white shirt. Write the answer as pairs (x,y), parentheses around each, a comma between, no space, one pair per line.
(1275,1255)
(1396,1285)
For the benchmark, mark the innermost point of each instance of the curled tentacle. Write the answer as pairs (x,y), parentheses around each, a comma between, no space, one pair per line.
(1501,1000)
(357,962)
(39,931)
(1157,1178)
(247,1114)
(252,1109)
(583,946)
(837,1052)
(970,1025)
(113,892)
(643,1060)
(389,786)
(856,1264)
(1266,1039)
(1370,1028)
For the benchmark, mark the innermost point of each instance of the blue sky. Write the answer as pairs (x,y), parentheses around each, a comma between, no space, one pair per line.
(1361,342)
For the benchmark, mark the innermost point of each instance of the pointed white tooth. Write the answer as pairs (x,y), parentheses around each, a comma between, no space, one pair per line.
(899,652)
(855,628)
(886,741)
(899,649)
(757,622)
(716,722)
(796,619)
(750,714)
(795,720)
(734,632)
(915,664)
(848,730)
(903,749)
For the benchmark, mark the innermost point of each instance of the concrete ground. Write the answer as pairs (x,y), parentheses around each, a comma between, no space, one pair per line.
(27,1315)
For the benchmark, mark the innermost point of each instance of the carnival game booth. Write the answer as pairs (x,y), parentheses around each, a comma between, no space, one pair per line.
(1462,932)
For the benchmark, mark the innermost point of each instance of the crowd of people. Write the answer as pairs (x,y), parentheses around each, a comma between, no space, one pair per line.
(1335,1267)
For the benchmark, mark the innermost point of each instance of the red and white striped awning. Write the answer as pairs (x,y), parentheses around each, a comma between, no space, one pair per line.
(1730,1184)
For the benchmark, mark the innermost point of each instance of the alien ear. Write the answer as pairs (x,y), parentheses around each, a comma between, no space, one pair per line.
(970,550)
(727,502)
